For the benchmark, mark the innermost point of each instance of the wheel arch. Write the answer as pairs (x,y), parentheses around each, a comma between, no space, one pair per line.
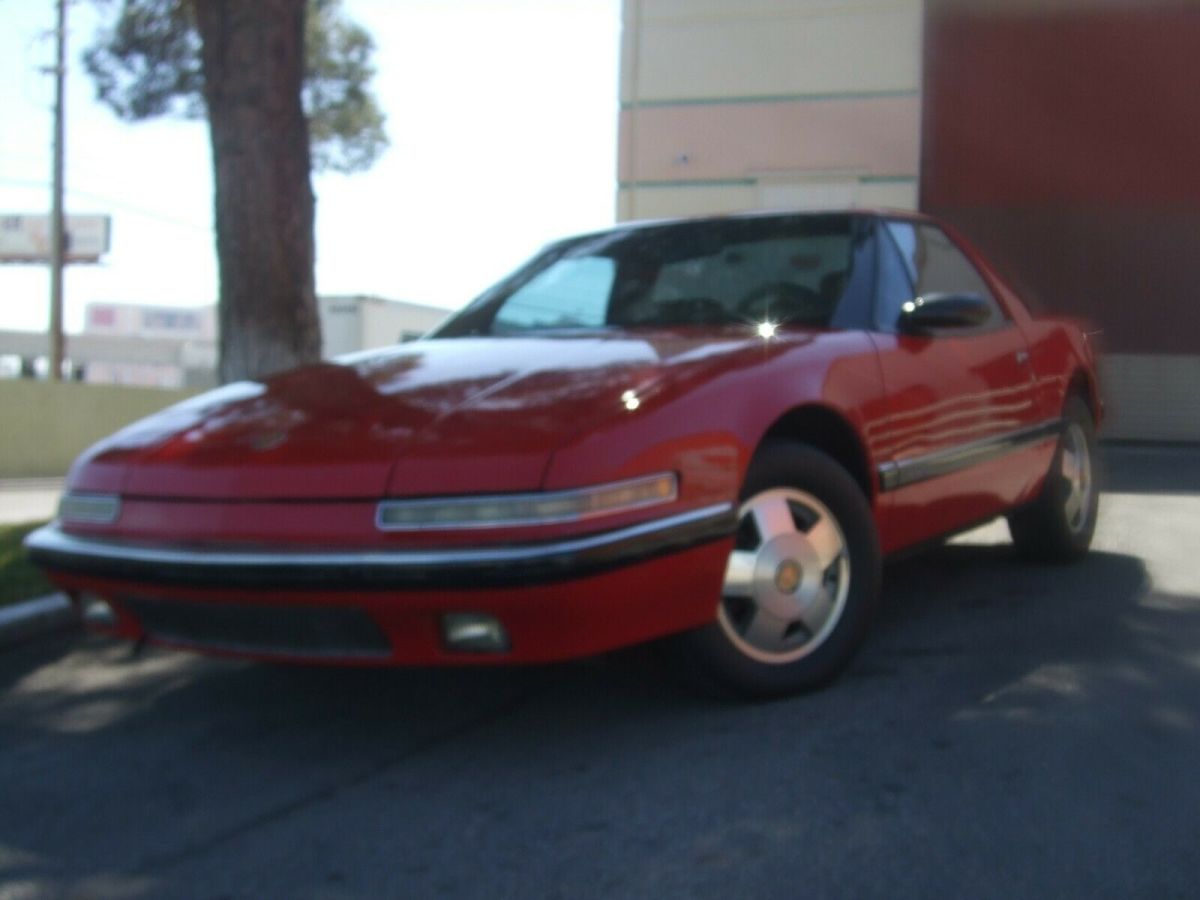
(1083,385)
(831,433)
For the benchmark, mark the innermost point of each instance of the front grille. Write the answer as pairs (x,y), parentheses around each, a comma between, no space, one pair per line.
(312,631)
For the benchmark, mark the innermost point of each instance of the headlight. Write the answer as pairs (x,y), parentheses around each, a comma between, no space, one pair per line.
(94,509)
(499,510)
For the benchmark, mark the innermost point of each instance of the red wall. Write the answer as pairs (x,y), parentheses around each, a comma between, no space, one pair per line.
(1068,145)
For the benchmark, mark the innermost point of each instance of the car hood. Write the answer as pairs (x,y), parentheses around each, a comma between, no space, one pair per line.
(440,416)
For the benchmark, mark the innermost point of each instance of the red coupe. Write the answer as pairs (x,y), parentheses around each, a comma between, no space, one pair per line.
(710,430)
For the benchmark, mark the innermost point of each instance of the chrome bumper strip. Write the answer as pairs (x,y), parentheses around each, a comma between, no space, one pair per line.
(509,564)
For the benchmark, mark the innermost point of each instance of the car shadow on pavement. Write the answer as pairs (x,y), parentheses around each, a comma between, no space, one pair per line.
(987,675)
(21,658)
(958,601)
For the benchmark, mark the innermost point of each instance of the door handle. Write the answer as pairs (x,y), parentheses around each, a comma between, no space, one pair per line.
(1022,357)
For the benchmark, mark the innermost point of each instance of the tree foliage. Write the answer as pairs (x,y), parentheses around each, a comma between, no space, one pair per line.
(146,62)
(345,125)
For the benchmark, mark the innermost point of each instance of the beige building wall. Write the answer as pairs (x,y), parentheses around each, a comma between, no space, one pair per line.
(48,424)
(732,105)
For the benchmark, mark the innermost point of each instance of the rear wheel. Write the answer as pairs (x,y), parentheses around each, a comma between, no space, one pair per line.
(801,582)
(1058,526)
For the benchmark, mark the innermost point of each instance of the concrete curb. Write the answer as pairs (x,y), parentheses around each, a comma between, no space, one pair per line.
(33,618)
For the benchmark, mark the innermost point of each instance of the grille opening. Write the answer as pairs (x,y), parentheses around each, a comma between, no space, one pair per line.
(315,631)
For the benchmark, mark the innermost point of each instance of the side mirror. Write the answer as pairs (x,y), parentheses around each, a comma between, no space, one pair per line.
(934,312)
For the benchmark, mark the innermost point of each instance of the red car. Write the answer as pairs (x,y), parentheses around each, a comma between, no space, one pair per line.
(711,429)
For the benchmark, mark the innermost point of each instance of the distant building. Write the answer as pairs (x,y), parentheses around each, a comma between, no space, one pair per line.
(197,323)
(159,346)
(173,347)
(350,323)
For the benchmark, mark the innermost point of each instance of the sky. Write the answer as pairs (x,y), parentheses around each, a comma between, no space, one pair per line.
(502,116)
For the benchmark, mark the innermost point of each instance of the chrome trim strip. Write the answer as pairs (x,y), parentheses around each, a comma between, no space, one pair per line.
(533,497)
(905,472)
(93,509)
(380,569)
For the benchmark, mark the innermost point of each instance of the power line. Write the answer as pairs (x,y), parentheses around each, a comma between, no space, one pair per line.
(118,204)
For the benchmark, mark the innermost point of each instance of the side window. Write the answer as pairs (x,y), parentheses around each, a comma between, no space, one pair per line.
(572,293)
(934,264)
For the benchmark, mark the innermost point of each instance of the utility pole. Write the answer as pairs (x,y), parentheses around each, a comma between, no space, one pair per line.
(57,230)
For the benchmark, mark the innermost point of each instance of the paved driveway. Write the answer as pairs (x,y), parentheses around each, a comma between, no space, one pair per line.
(1010,731)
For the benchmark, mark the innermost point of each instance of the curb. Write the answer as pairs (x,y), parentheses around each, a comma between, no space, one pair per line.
(33,618)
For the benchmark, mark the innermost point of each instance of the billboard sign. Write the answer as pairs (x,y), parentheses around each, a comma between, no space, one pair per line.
(26,238)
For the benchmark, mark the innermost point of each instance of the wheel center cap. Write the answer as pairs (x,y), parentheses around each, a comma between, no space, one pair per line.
(787,576)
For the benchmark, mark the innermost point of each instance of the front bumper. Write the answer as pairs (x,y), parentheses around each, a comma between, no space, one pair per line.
(556,599)
(55,549)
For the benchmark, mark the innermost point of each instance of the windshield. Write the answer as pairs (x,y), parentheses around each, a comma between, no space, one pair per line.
(783,269)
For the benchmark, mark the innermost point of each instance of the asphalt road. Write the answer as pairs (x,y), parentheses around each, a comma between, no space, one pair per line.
(1010,731)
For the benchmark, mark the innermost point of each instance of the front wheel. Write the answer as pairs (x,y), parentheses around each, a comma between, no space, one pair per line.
(801,582)
(1058,526)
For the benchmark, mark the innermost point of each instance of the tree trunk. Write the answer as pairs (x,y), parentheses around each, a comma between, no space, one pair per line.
(253,63)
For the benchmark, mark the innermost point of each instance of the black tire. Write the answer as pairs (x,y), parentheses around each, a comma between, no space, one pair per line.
(1058,526)
(798,599)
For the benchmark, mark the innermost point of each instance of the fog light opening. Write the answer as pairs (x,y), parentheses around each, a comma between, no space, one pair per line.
(474,633)
(96,610)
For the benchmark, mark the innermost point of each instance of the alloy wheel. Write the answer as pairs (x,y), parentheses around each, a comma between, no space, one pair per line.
(1077,477)
(787,579)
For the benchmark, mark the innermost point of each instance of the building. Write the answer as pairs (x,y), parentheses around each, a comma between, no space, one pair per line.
(731,105)
(1060,135)
(146,346)
(176,347)
(350,323)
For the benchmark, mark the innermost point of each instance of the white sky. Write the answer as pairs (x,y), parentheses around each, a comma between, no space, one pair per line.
(502,116)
